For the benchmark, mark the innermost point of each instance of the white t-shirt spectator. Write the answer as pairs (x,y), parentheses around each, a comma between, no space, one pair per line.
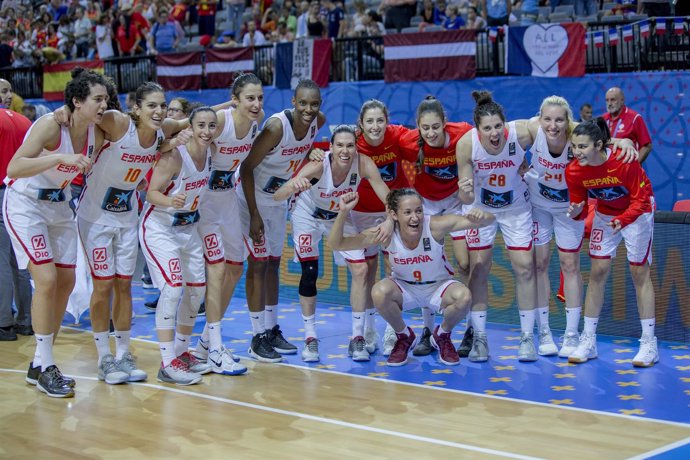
(259,39)
(104,43)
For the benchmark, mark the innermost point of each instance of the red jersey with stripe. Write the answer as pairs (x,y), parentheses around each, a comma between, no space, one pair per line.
(13,127)
(621,189)
(438,178)
(388,158)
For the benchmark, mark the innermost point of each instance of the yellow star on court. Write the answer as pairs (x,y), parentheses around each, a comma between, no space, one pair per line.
(325,366)
(238,312)
(336,356)
(630,397)
(378,374)
(510,347)
(228,319)
(336,308)
(417,326)
(685,379)
(632,411)
(687,392)
(622,350)
(681,356)
(626,372)
(140,316)
(504,368)
(327,315)
(622,341)
(496,392)
(565,364)
(196,334)
(514,337)
(435,383)
(683,368)
(295,339)
(138,298)
(564,376)
(287,310)
(500,379)
(248,332)
(628,384)
(381,363)
(441,371)
(679,347)
(504,358)
(239,341)
(623,361)
(319,322)
(144,336)
(559,402)
(280,316)
(342,345)
(562,388)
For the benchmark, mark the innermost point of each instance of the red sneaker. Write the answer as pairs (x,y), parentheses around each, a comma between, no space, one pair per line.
(398,356)
(447,353)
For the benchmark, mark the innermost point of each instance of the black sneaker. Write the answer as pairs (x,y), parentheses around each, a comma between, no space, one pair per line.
(24,330)
(278,342)
(262,350)
(146,281)
(424,347)
(466,344)
(202,309)
(34,372)
(153,304)
(7,334)
(53,384)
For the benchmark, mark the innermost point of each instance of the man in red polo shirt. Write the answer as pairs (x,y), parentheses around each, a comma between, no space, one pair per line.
(625,123)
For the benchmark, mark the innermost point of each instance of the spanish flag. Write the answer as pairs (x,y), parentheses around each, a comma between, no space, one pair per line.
(56,76)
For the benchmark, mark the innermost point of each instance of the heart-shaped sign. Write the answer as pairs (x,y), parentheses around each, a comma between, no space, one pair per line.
(545,44)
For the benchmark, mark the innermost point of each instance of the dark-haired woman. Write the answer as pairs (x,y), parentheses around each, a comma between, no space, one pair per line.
(624,211)
(420,273)
(40,222)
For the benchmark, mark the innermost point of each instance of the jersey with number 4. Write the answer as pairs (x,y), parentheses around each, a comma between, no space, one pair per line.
(498,185)
(109,197)
(424,264)
(546,176)
(282,162)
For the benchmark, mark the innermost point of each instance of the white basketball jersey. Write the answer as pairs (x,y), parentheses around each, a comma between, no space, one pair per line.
(109,195)
(231,152)
(424,264)
(52,184)
(546,176)
(281,163)
(321,200)
(497,183)
(190,181)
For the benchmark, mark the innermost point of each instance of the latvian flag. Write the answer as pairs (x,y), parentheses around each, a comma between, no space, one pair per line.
(179,71)
(678,26)
(56,77)
(599,39)
(661,26)
(628,33)
(303,58)
(644,28)
(430,56)
(613,36)
(222,65)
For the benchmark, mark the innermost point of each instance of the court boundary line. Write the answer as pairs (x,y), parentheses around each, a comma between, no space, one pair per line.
(662,449)
(451,390)
(315,418)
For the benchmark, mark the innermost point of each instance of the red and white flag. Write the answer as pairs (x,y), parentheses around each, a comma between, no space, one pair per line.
(678,26)
(599,39)
(628,33)
(644,28)
(613,36)
(430,56)
(179,71)
(222,65)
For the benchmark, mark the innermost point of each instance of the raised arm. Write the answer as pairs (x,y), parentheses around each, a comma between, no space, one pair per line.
(463,155)
(370,172)
(337,240)
(167,167)
(305,178)
(442,225)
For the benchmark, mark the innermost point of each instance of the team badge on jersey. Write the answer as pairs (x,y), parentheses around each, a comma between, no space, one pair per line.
(608,193)
(159,143)
(553,194)
(51,194)
(496,199)
(324,214)
(427,244)
(181,219)
(220,180)
(353,179)
(388,172)
(255,129)
(273,184)
(117,200)
(570,153)
(446,172)
(511,149)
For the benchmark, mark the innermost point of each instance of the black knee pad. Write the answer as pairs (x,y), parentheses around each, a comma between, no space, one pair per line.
(310,273)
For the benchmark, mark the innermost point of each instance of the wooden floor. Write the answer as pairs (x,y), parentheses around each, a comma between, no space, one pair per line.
(291,412)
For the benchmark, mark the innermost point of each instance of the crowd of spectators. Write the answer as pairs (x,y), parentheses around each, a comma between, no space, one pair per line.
(33,32)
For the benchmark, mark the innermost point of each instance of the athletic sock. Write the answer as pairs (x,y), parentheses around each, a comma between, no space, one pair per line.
(102,340)
(215,340)
(181,343)
(542,317)
(258,323)
(370,319)
(309,326)
(358,324)
(572,319)
(479,321)
(271,318)
(591,325)
(122,343)
(527,318)
(429,318)
(167,352)
(44,343)
(648,327)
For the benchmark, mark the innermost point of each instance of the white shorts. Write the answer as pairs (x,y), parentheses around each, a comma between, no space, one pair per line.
(275,223)
(516,226)
(110,251)
(220,228)
(41,231)
(423,295)
(637,237)
(307,233)
(365,220)
(174,254)
(449,205)
(569,232)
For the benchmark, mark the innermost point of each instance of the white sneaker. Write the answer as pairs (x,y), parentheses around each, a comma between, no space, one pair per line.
(526,351)
(310,352)
(389,340)
(178,372)
(586,349)
(372,340)
(547,347)
(222,362)
(357,349)
(128,364)
(570,342)
(109,371)
(648,354)
(201,351)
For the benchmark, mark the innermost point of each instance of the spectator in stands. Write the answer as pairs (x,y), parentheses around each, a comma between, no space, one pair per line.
(529,12)
(356,20)
(57,9)
(180,13)
(127,35)
(29,111)
(22,51)
(207,17)
(289,18)
(337,24)
(93,11)
(625,123)
(585,112)
(104,36)
(586,7)
(253,37)
(453,20)
(496,12)
(399,13)
(82,29)
(623,8)
(5,51)
(372,50)
(658,7)
(269,21)
(427,12)
(226,40)
(235,12)
(164,36)
(474,20)
(440,12)
(315,25)
(283,34)
(302,30)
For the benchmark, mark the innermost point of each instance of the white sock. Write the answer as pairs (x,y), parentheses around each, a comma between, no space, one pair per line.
(527,318)
(204,333)
(542,317)
(102,340)
(37,358)
(441,330)
(468,318)
(358,324)
(591,325)
(309,326)
(181,343)
(215,340)
(648,327)
(167,352)
(479,321)
(429,318)
(122,343)
(572,319)
(258,323)
(271,318)
(405,331)
(44,343)
(370,319)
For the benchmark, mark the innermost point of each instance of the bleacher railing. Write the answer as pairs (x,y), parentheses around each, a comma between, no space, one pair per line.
(636,51)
